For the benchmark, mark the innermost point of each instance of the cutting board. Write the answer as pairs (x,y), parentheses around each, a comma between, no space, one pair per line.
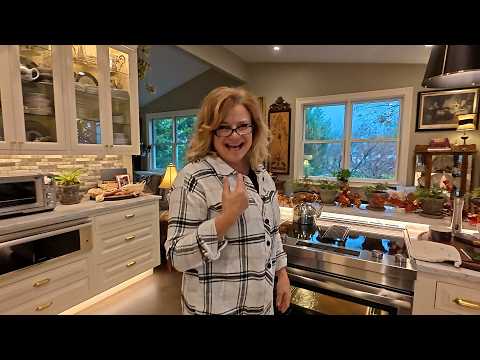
(466,263)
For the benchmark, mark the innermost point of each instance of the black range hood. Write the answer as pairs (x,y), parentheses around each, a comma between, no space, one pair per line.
(453,66)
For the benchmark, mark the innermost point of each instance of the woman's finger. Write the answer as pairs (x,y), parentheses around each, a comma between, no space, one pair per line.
(226,187)
(240,182)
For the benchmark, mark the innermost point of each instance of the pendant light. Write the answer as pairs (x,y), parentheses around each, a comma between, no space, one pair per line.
(453,66)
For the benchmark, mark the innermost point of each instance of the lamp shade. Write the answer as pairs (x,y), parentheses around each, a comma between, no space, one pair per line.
(169,177)
(466,122)
(452,66)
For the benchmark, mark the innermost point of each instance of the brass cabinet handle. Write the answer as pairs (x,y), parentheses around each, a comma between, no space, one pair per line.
(467,303)
(131,263)
(44,306)
(129,216)
(131,237)
(41,282)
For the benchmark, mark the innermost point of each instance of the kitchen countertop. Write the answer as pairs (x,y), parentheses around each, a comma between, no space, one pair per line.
(414,228)
(62,213)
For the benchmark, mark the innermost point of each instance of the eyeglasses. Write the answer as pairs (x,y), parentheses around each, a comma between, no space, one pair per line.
(225,131)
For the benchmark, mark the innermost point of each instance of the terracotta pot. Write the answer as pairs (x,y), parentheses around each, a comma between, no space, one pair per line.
(69,194)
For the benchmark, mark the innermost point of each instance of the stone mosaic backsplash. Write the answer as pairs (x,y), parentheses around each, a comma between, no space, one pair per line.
(91,164)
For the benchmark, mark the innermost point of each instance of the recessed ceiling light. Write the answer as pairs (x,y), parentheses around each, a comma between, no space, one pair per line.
(276,48)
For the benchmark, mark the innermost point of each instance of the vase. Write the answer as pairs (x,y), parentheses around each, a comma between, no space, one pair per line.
(69,194)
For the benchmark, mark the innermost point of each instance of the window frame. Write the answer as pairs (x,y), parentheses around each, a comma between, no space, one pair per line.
(405,125)
(168,114)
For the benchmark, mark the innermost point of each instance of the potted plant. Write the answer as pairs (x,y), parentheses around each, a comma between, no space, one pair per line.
(342,176)
(328,192)
(431,200)
(376,196)
(69,187)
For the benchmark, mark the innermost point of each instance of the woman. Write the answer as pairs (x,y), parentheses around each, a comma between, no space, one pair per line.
(224,216)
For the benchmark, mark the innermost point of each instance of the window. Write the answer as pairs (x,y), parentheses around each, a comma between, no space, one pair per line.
(364,132)
(169,136)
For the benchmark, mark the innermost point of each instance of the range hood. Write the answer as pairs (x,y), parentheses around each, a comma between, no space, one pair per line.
(453,66)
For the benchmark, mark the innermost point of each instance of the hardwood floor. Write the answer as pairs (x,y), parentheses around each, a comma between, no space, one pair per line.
(158,294)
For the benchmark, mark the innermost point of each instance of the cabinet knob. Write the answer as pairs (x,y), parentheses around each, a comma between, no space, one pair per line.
(131,263)
(131,237)
(129,216)
(41,282)
(44,306)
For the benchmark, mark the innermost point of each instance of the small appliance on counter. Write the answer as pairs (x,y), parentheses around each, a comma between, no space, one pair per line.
(24,194)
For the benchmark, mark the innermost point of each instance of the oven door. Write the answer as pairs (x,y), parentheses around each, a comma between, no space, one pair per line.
(328,294)
(20,194)
(30,247)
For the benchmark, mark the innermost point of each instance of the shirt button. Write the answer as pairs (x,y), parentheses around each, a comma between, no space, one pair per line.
(263,178)
(267,221)
(269,265)
(268,243)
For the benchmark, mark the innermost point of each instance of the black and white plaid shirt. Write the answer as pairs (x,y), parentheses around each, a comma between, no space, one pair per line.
(233,274)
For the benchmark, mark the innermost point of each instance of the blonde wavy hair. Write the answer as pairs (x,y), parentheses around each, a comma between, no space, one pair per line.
(215,108)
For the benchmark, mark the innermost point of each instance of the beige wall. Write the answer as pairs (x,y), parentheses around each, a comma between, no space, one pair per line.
(293,81)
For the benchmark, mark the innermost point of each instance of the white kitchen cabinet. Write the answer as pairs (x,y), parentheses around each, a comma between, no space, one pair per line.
(84,101)
(443,295)
(125,243)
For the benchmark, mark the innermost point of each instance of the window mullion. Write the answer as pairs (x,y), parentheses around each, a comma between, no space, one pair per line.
(347,135)
(174,141)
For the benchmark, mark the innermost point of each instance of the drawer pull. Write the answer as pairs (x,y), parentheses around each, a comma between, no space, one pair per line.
(131,237)
(131,263)
(466,303)
(44,306)
(41,282)
(129,216)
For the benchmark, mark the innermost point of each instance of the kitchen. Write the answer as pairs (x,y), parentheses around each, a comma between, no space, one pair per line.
(106,85)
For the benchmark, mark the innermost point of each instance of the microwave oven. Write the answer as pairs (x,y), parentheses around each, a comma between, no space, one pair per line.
(24,194)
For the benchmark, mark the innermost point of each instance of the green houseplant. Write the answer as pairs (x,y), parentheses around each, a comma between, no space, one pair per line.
(68,183)
(376,196)
(431,200)
(342,175)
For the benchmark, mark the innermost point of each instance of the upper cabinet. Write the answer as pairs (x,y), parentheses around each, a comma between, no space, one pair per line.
(80,99)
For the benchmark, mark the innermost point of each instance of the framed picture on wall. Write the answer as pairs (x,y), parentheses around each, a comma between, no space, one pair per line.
(438,110)
(279,118)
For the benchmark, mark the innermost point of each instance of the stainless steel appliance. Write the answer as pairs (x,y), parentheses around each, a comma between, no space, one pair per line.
(25,194)
(348,267)
(24,248)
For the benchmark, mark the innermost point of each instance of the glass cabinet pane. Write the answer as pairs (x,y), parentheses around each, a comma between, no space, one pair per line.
(85,78)
(2,133)
(36,72)
(120,87)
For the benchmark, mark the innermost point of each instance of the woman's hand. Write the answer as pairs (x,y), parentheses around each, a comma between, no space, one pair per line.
(234,204)
(283,290)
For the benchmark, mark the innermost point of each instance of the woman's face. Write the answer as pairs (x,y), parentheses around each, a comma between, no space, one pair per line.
(234,147)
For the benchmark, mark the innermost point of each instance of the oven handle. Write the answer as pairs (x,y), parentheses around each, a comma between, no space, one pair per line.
(327,284)
(44,235)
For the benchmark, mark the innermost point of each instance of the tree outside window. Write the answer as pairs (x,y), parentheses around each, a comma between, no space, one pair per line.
(170,136)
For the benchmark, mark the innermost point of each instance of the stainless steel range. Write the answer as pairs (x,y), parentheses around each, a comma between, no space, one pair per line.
(350,267)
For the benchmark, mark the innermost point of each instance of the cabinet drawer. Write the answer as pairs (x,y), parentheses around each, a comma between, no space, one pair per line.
(457,299)
(36,285)
(126,218)
(53,302)
(124,267)
(116,243)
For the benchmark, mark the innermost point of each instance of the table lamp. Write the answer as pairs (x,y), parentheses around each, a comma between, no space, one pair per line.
(167,182)
(466,123)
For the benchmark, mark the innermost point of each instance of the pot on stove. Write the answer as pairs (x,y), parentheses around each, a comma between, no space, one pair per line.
(305,213)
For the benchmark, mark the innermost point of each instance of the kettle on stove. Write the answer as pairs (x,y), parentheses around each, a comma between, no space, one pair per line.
(305,213)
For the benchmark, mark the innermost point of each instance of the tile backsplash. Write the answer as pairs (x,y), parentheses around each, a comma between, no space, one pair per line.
(91,164)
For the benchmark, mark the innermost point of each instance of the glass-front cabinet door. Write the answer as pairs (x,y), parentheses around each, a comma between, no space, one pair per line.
(85,82)
(123,94)
(38,97)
